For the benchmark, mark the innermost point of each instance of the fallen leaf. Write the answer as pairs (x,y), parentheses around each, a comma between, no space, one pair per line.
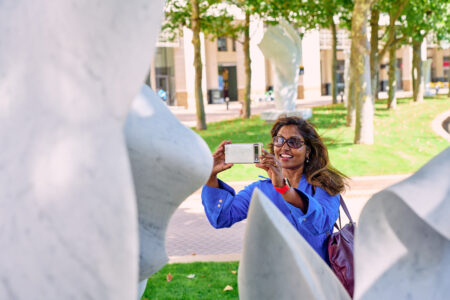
(191,276)
(169,277)
(234,272)
(228,288)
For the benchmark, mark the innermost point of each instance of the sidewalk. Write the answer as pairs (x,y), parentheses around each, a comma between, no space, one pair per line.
(191,238)
(219,112)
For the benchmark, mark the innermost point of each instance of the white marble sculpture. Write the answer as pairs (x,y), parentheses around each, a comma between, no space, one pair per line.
(69,72)
(402,245)
(169,162)
(277,263)
(141,288)
(282,45)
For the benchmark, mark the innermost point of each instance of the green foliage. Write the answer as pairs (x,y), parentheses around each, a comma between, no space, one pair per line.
(395,11)
(321,13)
(308,14)
(404,140)
(424,16)
(215,19)
(209,282)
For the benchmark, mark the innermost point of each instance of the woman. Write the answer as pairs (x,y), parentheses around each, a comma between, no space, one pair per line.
(302,184)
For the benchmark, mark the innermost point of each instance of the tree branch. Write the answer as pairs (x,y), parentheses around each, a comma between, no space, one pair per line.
(391,29)
(400,9)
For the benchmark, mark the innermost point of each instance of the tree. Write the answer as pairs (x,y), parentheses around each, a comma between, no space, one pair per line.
(421,18)
(248,70)
(329,14)
(394,10)
(248,7)
(360,73)
(205,16)
(195,26)
(374,57)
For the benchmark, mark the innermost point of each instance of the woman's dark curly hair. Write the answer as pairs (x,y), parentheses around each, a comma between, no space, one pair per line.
(318,170)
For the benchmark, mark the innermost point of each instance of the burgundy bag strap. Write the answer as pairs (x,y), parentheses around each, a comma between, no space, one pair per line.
(344,207)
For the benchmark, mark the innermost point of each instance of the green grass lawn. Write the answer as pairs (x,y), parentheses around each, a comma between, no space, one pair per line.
(404,139)
(209,282)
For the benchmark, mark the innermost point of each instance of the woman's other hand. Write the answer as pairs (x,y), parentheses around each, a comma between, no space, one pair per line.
(272,166)
(219,164)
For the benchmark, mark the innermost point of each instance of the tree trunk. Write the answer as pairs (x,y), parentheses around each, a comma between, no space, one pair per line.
(392,99)
(360,73)
(417,73)
(195,21)
(351,97)
(248,71)
(346,76)
(351,101)
(334,64)
(374,61)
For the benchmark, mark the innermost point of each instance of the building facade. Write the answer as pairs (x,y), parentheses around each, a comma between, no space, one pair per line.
(172,71)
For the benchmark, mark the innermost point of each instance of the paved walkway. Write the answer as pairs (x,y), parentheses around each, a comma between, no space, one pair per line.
(218,112)
(190,237)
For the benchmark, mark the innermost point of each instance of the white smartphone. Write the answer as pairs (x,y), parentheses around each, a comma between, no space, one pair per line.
(245,153)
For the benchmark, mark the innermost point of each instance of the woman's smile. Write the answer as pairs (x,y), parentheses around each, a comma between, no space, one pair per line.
(285,156)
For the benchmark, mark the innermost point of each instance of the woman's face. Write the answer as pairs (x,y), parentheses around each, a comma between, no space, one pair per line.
(291,158)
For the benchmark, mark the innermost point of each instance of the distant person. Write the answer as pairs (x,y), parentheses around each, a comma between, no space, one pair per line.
(301,183)
(162,94)
(268,96)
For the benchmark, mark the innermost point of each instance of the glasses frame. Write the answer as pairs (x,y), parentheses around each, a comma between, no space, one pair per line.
(286,141)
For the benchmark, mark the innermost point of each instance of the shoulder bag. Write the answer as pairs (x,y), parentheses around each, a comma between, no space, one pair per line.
(340,251)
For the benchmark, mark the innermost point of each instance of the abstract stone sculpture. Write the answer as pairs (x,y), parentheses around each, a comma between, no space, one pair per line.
(282,45)
(169,162)
(277,263)
(402,243)
(69,72)
(141,288)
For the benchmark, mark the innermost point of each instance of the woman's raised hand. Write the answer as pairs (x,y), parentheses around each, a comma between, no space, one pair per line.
(219,164)
(272,166)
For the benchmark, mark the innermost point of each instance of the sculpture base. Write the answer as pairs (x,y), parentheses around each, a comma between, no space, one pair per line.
(272,115)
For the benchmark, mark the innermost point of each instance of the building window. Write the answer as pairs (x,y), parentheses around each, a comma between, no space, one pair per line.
(222,44)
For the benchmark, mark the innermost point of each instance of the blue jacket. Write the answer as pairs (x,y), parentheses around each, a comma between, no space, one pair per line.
(224,208)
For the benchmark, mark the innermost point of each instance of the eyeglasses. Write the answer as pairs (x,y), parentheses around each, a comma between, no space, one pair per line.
(292,142)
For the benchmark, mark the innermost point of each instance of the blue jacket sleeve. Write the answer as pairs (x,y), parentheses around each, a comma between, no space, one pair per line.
(322,213)
(223,207)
